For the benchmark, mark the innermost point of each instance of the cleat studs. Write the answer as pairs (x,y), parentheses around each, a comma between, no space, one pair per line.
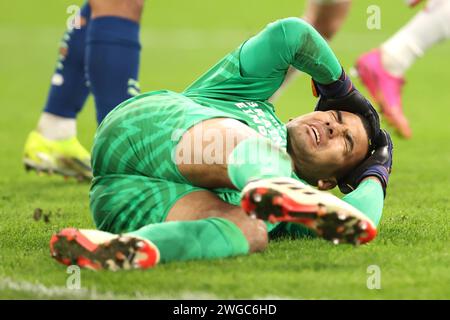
(120,256)
(341,217)
(363,226)
(126,265)
(257,197)
(111,265)
(140,245)
(277,200)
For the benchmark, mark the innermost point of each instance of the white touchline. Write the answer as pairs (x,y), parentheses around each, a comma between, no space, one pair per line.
(42,291)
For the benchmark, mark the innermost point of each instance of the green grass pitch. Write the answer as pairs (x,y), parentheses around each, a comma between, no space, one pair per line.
(181,39)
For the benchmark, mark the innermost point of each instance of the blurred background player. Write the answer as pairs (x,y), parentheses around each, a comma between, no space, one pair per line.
(382,69)
(327,17)
(101,57)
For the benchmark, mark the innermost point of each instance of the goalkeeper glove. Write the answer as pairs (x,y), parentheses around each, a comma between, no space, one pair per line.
(378,164)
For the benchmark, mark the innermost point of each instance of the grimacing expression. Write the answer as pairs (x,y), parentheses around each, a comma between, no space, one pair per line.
(326,145)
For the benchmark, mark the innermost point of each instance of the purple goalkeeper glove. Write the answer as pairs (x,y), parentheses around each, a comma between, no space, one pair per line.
(342,95)
(378,164)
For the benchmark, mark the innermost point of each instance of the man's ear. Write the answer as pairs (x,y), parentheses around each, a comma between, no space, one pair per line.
(327,184)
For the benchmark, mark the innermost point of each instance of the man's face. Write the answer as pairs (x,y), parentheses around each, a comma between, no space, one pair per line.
(326,145)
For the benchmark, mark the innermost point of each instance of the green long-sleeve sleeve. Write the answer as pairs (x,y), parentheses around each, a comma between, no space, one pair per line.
(368,198)
(257,68)
(287,42)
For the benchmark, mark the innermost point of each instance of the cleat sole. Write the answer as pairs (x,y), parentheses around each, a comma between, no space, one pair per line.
(65,171)
(70,246)
(275,206)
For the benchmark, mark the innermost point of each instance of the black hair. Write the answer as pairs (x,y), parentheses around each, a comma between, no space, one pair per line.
(369,131)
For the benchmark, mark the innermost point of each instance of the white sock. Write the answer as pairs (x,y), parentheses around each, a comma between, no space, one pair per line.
(427,28)
(54,127)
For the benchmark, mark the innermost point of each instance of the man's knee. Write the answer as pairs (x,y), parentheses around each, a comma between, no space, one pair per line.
(254,230)
(204,204)
(256,234)
(129,9)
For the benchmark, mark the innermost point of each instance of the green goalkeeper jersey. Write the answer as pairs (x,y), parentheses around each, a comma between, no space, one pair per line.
(137,139)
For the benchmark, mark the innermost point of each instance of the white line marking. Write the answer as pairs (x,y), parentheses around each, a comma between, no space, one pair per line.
(40,291)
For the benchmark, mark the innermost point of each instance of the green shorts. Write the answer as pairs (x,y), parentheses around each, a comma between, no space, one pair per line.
(136,182)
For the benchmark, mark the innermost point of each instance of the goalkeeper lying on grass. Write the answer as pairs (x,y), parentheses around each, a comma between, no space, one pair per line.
(213,173)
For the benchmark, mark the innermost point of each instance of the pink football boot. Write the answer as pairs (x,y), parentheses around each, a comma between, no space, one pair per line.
(385,89)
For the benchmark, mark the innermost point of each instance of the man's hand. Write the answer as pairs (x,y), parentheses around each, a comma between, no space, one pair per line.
(342,95)
(378,165)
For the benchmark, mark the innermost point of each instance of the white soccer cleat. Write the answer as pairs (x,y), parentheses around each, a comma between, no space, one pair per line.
(289,200)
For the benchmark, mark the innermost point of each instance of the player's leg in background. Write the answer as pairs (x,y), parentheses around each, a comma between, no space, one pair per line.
(382,70)
(69,91)
(103,56)
(113,52)
(56,129)
(327,17)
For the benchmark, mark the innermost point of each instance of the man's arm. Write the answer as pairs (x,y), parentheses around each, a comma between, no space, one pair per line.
(370,179)
(368,198)
(286,42)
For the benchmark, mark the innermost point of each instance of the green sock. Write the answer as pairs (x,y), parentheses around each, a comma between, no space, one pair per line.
(257,158)
(200,239)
